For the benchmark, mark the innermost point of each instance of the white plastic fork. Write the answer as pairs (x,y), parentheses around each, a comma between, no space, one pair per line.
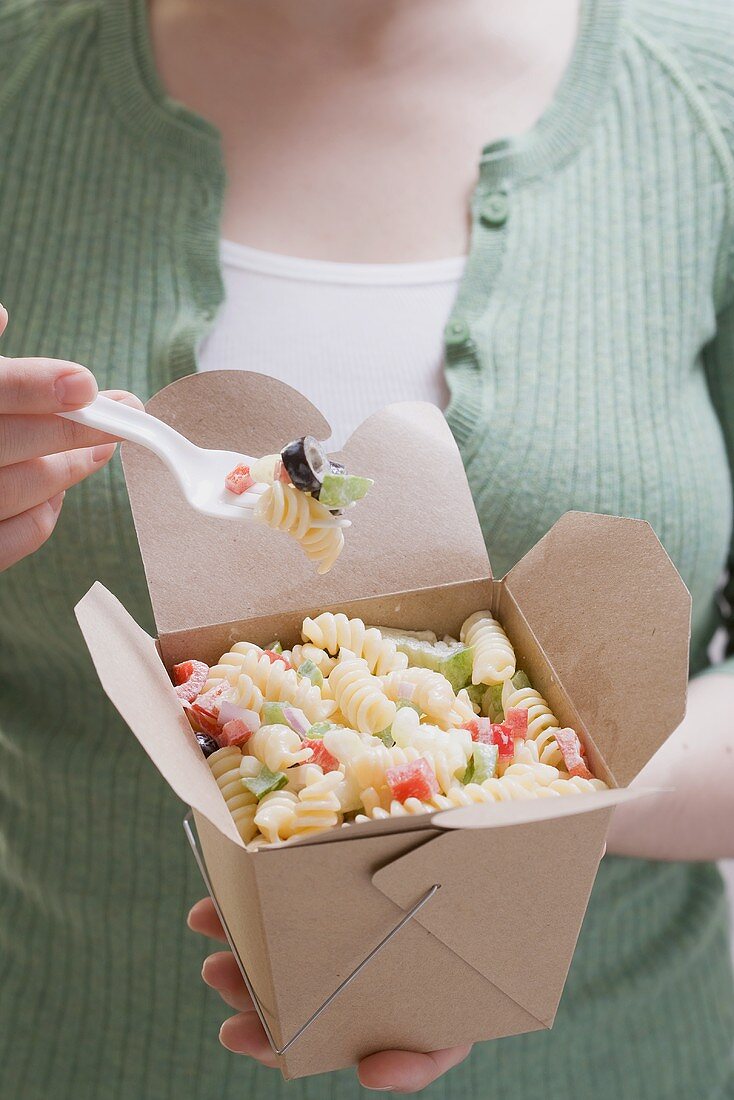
(200,472)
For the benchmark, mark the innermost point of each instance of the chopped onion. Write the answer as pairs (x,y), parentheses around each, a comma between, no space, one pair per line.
(297,720)
(228,711)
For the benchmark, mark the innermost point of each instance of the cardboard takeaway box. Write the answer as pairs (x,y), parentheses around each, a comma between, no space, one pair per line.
(599,619)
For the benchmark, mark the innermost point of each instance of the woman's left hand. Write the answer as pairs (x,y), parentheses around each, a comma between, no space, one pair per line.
(390,1070)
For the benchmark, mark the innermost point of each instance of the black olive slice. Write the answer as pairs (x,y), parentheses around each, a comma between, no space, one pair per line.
(207,744)
(306,463)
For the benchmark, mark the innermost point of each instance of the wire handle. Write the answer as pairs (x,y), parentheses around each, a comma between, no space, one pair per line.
(198,856)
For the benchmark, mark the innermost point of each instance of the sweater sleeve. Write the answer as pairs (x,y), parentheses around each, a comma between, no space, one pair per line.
(700,35)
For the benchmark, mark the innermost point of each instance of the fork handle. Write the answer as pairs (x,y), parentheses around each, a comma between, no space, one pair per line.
(127,423)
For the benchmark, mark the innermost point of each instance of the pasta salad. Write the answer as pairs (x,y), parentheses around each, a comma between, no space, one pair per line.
(357,723)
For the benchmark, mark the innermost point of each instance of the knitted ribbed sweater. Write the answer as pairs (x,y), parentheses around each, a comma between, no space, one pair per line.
(591,361)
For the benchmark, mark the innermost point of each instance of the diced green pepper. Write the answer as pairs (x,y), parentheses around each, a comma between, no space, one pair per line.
(318,729)
(341,490)
(275,647)
(476,693)
(386,737)
(312,672)
(264,782)
(452,661)
(272,714)
(520,680)
(492,703)
(484,758)
(405,703)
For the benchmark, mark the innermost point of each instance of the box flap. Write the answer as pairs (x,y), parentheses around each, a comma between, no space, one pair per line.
(502,890)
(416,529)
(612,616)
(124,657)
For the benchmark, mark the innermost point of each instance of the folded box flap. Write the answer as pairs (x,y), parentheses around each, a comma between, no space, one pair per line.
(612,616)
(136,683)
(512,899)
(417,527)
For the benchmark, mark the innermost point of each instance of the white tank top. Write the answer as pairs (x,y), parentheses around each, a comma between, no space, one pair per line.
(351,337)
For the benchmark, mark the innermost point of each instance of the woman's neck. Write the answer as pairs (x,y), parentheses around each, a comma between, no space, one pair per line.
(351,128)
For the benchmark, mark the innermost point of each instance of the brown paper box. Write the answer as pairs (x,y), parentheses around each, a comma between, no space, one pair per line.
(599,619)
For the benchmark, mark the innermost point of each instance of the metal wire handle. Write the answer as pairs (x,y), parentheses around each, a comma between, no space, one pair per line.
(198,856)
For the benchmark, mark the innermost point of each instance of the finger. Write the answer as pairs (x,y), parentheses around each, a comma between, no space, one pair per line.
(221,972)
(27,484)
(24,534)
(203,919)
(44,386)
(405,1071)
(244,1034)
(27,436)
(3,318)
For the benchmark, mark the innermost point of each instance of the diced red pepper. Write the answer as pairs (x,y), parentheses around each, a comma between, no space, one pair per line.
(480,730)
(572,753)
(239,480)
(235,732)
(500,734)
(321,754)
(273,657)
(516,719)
(414,780)
(281,474)
(206,708)
(189,678)
(503,738)
(204,720)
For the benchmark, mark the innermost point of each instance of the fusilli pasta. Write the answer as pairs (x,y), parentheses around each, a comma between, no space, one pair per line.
(335,632)
(307,521)
(359,695)
(494,657)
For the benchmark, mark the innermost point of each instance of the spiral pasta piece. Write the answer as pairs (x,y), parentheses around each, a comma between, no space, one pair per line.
(359,695)
(225,767)
(278,747)
(276,816)
(335,632)
(542,723)
(280,684)
(493,655)
(247,694)
(432,693)
(312,525)
(318,803)
(324,663)
(230,664)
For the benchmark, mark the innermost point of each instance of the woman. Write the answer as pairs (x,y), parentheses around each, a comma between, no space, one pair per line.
(589,354)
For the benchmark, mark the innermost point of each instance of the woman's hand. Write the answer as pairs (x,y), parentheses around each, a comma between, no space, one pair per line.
(42,455)
(390,1070)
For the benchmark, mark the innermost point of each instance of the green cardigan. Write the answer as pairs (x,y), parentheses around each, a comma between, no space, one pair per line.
(591,362)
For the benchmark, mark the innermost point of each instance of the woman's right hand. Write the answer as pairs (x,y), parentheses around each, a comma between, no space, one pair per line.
(42,455)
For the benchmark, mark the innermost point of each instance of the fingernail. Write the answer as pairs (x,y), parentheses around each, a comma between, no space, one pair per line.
(103,452)
(76,388)
(56,502)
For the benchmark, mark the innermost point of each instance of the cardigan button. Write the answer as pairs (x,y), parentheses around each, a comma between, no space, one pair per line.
(456,333)
(495,209)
